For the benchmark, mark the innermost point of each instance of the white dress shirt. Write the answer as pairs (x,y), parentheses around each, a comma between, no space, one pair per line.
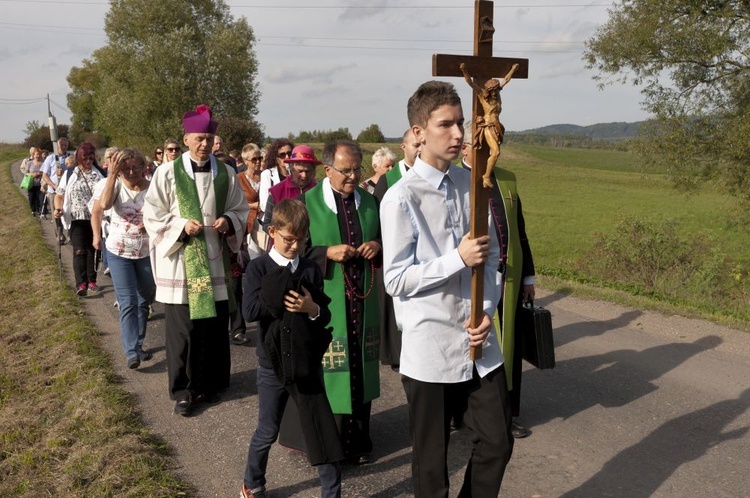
(425,215)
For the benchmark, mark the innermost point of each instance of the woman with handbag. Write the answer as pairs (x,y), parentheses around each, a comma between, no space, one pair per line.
(72,196)
(33,168)
(127,247)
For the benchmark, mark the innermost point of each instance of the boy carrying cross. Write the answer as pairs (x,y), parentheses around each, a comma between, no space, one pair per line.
(427,260)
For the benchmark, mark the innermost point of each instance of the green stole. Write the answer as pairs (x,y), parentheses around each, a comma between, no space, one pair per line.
(197,271)
(324,231)
(393,175)
(512,278)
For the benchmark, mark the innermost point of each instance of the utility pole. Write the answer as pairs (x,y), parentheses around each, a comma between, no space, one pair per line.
(52,127)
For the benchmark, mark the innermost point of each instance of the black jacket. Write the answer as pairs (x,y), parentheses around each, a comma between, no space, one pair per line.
(290,343)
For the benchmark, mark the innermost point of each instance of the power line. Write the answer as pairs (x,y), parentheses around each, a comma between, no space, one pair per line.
(409,49)
(404,40)
(19,102)
(62,107)
(34,99)
(75,28)
(343,7)
(298,37)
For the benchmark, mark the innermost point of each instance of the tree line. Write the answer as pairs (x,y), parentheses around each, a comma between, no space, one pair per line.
(691,60)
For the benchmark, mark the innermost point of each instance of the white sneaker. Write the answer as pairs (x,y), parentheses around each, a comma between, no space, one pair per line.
(106,271)
(116,304)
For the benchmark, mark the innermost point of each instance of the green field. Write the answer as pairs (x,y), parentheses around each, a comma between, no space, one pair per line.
(569,195)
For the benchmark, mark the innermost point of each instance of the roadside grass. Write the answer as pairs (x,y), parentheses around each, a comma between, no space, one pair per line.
(67,427)
(571,197)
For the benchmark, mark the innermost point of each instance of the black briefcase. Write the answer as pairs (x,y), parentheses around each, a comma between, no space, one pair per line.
(538,343)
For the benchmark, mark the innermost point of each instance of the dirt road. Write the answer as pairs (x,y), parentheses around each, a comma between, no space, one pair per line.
(639,405)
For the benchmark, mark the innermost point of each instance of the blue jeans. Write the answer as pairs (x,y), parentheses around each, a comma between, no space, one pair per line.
(134,285)
(272,399)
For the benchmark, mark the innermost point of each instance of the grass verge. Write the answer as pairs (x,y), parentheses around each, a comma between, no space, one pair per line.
(67,428)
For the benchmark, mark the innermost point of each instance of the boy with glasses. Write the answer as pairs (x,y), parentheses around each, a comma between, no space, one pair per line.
(284,292)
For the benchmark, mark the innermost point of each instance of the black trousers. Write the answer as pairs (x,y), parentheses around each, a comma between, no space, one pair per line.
(82,240)
(487,415)
(198,358)
(236,320)
(36,197)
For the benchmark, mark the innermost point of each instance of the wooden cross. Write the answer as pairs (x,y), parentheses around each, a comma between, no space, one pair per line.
(483,67)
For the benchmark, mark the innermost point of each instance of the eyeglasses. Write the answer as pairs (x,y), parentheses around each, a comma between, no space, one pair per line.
(255,159)
(159,152)
(351,173)
(290,241)
(282,155)
(173,149)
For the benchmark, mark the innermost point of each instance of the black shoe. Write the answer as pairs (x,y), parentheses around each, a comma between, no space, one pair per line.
(456,424)
(145,355)
(519,431)
(184,406)
(362,460)
(134,363)
(209,398)
(240,338)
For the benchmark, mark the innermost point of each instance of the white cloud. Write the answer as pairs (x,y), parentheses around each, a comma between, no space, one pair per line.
(305,86)
(318,76)
(363,9)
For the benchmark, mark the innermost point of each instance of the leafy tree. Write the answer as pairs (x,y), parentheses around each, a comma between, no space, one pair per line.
(371,135)
(163,58)
(39,136)
(236,132)
(331,135)
(32,127)
(321,136)
(691,59)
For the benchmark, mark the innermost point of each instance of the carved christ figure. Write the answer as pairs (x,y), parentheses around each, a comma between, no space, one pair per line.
(487,128)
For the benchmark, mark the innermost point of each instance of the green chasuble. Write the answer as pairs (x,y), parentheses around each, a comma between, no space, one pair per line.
(512,278)
(324,231)
(200,288)
(393,175)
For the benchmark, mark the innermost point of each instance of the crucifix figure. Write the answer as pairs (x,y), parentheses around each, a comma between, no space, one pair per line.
(483,67)
(489,129)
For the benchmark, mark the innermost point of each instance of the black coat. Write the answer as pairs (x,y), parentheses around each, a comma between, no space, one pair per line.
(289,343)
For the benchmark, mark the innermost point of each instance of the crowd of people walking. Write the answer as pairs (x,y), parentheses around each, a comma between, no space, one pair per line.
(329,267)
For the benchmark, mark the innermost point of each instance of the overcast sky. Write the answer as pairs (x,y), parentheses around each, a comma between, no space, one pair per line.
(337,64)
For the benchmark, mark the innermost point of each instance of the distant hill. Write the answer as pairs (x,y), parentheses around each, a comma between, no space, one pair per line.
(601,131)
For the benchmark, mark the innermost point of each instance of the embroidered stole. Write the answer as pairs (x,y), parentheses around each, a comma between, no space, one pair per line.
(197,270)
(324,231)
(393,175)
(512,276)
